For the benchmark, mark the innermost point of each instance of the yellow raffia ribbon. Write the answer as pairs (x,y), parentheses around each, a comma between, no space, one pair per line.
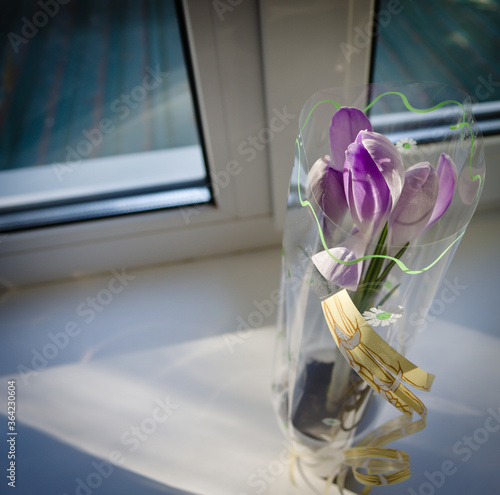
(384,369)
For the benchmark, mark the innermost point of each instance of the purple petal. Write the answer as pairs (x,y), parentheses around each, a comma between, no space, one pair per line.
(327,189)
(447,173)
(416,203)
(367,192)
(346,276)
(388,160)
(345,126)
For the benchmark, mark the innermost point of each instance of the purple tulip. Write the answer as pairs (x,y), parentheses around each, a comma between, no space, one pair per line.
(346,276)
(373,180)
(327,189)
(412,212)
(426,195)
(448,174)
(346,123)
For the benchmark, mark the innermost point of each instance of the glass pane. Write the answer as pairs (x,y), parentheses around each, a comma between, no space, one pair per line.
(455,42)
(96,102)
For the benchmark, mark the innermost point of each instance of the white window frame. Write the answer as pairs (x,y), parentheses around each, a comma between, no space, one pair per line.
(241,217)
(254,61)
(237,104)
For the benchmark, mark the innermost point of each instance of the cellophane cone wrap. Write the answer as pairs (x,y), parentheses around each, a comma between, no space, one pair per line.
(322,405)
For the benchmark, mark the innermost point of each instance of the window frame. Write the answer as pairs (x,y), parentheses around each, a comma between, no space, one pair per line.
(248,186)
(273,78)
(241,215)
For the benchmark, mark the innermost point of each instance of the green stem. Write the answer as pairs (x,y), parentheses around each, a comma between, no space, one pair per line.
(392,263)
(371,288)
(374,266)
(372,270)
(389,294)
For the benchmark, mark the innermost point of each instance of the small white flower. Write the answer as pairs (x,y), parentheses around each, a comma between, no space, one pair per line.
(377,316)
(406,145)
(330,421)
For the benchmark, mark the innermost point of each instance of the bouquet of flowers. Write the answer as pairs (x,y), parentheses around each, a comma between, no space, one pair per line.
(387,203)
(371,227)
